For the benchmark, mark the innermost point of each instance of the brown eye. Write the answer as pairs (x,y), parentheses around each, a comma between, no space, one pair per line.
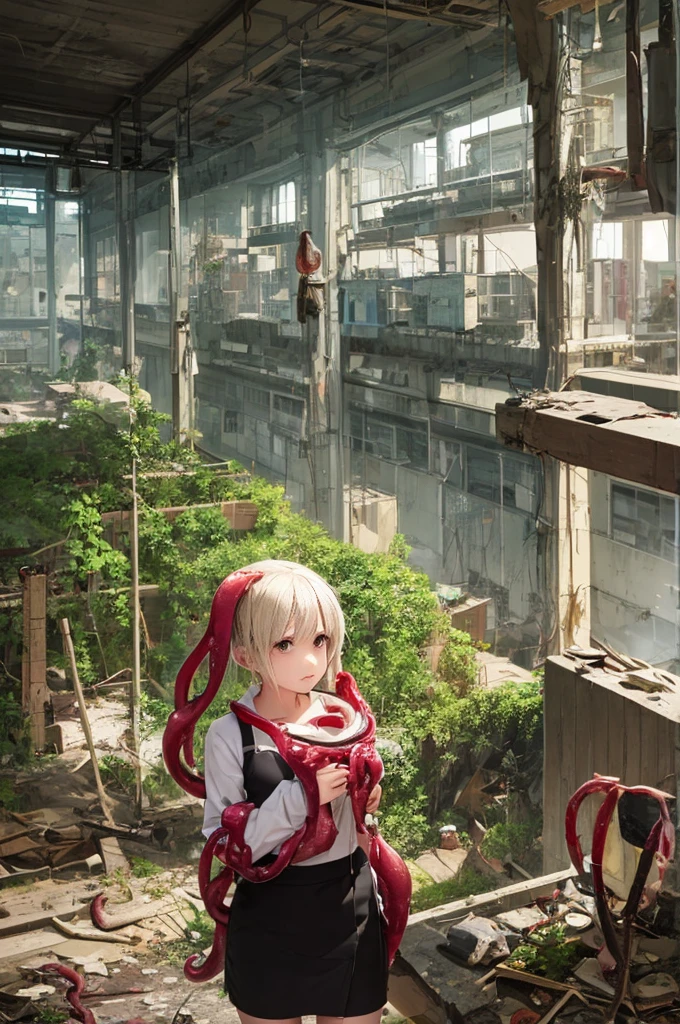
(283,645)
(321,640)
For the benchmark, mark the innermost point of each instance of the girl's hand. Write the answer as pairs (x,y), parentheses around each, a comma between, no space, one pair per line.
(373,802)
(332,782)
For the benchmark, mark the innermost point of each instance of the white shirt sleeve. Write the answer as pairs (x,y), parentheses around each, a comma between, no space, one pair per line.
(281,814)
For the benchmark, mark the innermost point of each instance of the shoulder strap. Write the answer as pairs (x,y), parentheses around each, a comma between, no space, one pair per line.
(247,736)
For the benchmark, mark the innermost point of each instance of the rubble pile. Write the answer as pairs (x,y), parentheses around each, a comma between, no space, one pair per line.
(536,964)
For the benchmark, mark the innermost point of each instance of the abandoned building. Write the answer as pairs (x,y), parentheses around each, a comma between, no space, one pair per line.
(466,171)
(485,361)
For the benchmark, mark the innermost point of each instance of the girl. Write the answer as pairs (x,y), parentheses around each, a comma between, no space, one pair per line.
(289,776)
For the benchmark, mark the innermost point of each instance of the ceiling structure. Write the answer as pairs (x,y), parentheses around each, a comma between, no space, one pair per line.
(111,81)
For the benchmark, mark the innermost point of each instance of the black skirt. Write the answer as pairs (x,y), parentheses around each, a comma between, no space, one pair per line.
(309,942)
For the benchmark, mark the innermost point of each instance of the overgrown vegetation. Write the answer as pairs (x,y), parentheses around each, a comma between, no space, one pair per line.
(466,883)
(547,954)
(67,474)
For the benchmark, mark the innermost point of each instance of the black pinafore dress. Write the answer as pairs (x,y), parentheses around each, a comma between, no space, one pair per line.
(310,941)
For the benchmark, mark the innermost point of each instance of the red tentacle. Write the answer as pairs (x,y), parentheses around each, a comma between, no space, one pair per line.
(394,886)
(73,995)
(214,890)
(213,963)
(179,732)
(598,784)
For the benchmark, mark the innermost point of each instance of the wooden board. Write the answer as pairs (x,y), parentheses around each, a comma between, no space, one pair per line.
(36,907)
(509,897)
(35,692)
(112,855)
(31,942)
(614,731)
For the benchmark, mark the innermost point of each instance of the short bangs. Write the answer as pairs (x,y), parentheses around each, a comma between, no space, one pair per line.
(288,602)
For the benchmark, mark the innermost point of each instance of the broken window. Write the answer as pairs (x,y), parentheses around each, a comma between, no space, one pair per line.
(646,520)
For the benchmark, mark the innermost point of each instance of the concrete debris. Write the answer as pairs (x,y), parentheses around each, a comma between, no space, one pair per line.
(91,964)
(74,932)
(36,991)
(525,962)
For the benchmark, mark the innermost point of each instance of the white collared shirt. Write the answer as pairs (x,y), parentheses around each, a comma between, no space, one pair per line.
(282,813)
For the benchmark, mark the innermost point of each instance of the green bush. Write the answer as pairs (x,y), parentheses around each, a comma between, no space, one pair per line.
(514,838)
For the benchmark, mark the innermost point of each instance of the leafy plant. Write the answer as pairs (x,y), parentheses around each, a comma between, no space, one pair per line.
(9,798)
(13,732)
(143,868)
(51,1015)
(547,954)
(514,838)
(117,772)
(155,714)
(84,366)
(198,935)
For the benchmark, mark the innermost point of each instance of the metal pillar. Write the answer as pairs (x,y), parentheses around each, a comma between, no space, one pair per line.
(125,238)
(53,358)
(336,461)
(182,362)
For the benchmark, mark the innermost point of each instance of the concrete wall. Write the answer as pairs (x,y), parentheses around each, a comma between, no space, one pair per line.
(634,593)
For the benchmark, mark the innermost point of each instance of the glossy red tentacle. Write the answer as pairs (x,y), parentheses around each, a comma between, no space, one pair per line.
(73,995)
(308,257)
(213,963)
(214,890)
(179,732)
(598,784)
(394,886)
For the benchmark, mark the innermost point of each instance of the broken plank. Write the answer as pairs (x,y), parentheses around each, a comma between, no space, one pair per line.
(17,877)
(112,855)
(76,932)
(36,907)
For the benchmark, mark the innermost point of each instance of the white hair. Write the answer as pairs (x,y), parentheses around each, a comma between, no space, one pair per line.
(288,597)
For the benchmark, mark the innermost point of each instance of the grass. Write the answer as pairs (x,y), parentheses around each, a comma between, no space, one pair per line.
(466,883)
(117,773)
(143,868)
(50,1015)
(198,935)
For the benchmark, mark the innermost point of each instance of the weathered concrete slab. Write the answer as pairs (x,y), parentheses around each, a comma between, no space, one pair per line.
(442,865)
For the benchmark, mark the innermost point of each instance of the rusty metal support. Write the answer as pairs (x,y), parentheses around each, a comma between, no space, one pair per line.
(635,118)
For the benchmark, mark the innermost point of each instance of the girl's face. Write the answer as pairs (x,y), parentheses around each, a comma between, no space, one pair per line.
(298,664)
